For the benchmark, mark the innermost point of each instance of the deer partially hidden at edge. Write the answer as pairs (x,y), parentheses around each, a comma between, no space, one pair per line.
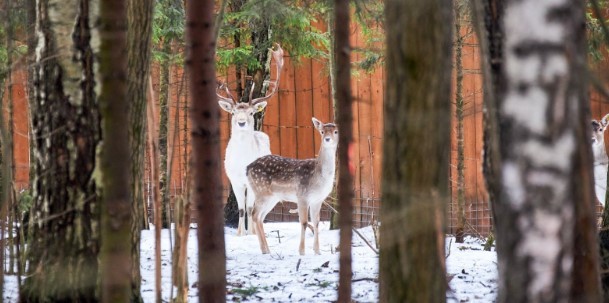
(246,144)
(601,160)
(306,182)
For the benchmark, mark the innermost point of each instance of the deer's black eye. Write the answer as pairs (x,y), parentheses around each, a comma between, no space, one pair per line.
(336,132)
(322,132)
(251,114)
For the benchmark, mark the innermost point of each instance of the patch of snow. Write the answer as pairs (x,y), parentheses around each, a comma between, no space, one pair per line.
(472,271)
(285,276)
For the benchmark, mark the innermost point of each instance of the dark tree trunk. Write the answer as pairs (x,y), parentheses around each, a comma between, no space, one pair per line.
(115,255)
(415,157)
(206,150)
(488,16)
(163,122)
(4,169)
(139,14)
(9,155)
(342,52)
(63,250)
(459,107)
(31,70)
(544,193)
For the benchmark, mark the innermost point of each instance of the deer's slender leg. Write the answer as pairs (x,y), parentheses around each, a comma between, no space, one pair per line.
(303,218)
(249,203)
(239,191)
(315,209)
(258,214)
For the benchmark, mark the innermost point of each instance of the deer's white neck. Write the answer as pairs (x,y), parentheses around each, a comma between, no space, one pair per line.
(600,154)
(326,161)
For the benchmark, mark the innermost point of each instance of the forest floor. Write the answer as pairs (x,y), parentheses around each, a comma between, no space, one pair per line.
(285,276)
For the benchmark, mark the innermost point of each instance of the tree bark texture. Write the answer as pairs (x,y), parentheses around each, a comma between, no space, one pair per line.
(546,241)
(116,218)
(459,107)
(207,166)
(180,258)
(415,157)
(163,132)
(4,169)
(342,53)
(10,150)
(139,34)
(488,18)
(63,250)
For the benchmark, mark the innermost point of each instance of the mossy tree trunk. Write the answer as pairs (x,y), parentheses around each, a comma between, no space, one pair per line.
(64,247)
(459,107)
(415,157)
(207,164)
(115,255)
(163,130)
(139,34)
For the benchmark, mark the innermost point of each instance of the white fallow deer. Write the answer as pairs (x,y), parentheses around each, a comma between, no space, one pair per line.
(306,182)
(246,144)
(601,160)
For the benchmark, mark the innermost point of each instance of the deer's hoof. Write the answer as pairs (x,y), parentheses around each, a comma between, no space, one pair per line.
(240,232)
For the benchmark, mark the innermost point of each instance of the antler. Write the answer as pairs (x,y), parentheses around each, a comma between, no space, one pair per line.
(278,56)
(230,98)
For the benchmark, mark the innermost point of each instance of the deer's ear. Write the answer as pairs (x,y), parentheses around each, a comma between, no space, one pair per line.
(258,107)
(605,120)
(317,123)
(226,106)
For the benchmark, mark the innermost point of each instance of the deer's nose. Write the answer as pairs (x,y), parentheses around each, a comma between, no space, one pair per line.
(241,124)
(327,139)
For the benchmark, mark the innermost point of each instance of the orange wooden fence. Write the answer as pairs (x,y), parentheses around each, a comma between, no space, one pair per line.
(304,92)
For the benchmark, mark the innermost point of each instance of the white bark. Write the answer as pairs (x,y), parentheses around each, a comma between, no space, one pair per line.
(538,162)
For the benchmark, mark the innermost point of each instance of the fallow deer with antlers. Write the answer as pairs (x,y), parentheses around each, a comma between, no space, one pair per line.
(306,182)
(246,144)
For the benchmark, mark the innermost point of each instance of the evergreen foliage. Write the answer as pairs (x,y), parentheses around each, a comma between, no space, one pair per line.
(292,23)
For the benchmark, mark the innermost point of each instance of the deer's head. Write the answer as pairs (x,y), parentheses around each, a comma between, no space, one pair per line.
(598,130)
(243,112)
(328,131)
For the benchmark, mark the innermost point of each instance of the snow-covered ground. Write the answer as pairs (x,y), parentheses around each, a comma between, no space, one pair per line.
(285,276)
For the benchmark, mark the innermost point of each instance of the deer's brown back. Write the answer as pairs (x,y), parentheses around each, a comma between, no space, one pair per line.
(270,171)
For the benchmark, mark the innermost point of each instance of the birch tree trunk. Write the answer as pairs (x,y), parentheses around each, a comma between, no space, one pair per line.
(415,157)
(115,256)
(206,151)
(545,234)
(64,246)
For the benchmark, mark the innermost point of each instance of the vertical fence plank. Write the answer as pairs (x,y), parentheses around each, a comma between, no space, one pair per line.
(304,110)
